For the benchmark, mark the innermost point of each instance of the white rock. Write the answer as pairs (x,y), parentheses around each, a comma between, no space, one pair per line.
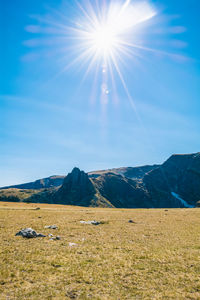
(72,244)
(90,222)
(51,227)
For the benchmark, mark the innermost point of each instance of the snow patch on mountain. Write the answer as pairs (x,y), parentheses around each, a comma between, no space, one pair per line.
(183,202)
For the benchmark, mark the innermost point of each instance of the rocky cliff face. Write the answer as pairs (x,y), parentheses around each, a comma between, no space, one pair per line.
(121,191)
(176,181)
(77,189)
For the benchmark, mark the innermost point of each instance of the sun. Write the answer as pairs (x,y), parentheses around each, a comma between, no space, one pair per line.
(104,39)
(105,35)
(100,37)
(107,31)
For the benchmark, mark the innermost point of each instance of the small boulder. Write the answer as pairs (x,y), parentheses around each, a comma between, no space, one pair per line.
(54,238)
(72,244)
(29,233)
(40,235)
(131,221)
(90,222)
(51,227)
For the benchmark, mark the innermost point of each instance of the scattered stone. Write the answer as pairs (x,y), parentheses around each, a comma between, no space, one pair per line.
(29,233)
(166,209)
(37,208)
(72,244)
(39,217)
(72,294)
(57,266)
(131,221)
(41,235)
(90,222)
(54,238)
(51,227)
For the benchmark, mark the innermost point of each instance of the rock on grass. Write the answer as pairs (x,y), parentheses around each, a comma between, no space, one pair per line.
(29,233)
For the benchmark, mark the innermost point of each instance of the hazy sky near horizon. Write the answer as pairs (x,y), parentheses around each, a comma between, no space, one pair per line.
(51,120)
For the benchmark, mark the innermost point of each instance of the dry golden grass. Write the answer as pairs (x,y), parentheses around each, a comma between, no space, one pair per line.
(155,258)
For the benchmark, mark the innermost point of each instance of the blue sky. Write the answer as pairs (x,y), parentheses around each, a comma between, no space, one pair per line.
(51,121)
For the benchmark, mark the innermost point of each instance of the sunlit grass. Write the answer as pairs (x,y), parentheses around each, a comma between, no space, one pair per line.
(157,257)
(15,195)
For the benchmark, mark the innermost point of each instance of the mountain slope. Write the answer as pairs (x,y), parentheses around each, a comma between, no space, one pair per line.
(129,172)
(48,182)
(177,178)
(16,195)
(121,191)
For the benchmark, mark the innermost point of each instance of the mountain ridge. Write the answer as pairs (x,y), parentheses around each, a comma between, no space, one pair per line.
(47,182)
(175,183)
(57,180)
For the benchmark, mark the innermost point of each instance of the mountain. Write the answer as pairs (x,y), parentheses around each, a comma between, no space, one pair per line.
(48,182)
(122,192)
(175,183)
(107,190)
(129,172)
(57,180)
(78,189)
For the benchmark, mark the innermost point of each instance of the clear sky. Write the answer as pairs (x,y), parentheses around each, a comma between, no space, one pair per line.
(52,120)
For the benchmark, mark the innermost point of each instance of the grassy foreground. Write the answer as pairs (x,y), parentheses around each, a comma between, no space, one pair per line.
(157,257)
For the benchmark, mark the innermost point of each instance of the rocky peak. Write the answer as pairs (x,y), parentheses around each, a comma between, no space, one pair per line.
(77,189)
(76,171)
(76,177)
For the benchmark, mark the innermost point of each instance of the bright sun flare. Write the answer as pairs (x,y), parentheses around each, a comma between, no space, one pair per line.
(107,31)
(104,39)
(103,36)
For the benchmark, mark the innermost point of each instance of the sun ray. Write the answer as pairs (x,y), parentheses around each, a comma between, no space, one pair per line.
(103,32)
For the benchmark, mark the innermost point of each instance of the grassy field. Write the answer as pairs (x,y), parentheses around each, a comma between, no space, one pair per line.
(157,257)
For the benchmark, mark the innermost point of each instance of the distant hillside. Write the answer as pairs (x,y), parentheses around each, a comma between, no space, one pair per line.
(175,183)
(129,172)
(57,180)
(48,182)
(16,195)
